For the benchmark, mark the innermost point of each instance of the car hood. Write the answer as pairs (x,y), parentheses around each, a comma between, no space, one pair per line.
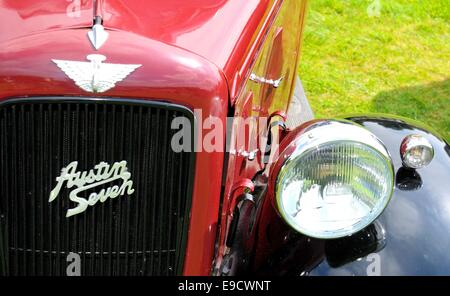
(28,17)
(210,28)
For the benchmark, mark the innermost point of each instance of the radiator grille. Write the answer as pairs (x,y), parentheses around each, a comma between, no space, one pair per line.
(139,234)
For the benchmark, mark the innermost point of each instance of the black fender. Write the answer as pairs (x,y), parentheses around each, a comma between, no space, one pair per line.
(411,236)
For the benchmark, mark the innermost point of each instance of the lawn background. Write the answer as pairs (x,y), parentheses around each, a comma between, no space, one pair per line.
(392,60)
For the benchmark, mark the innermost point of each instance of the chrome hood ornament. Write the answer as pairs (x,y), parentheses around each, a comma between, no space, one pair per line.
(102,174)
(95,76)
(98,36)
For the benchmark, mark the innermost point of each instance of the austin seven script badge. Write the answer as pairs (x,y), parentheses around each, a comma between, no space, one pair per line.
(102,174)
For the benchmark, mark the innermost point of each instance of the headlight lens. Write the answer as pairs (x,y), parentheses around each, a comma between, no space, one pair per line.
(337,181)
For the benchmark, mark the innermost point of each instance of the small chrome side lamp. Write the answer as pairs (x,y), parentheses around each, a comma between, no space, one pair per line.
(416,152)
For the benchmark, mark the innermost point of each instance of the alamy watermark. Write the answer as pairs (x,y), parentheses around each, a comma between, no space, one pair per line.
(73,9)
(374,9)
(374,267)
(74,264)
(236,135)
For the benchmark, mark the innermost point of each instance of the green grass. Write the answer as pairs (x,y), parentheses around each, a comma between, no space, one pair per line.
(397,62)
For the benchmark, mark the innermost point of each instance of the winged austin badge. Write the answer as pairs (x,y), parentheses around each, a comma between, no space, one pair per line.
(95,76)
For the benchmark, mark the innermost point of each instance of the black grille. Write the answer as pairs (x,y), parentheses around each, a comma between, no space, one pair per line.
(139,234)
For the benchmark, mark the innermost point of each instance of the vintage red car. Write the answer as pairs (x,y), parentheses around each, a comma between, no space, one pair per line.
(174,138)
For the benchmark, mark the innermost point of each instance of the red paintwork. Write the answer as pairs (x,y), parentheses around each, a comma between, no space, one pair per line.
(219,30)
(28,17)
(196,53)
(277,58)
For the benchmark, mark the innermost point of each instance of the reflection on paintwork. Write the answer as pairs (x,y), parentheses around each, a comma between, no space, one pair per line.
(27,17)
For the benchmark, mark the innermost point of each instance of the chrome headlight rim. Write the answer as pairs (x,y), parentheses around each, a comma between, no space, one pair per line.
(308,138)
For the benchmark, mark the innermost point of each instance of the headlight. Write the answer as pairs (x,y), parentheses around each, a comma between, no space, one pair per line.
(334,179)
